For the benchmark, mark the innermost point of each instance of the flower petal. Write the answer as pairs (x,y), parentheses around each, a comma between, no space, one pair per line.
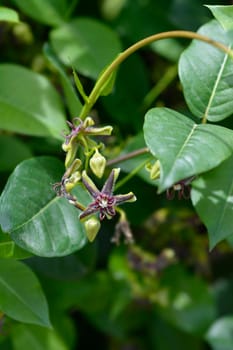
(122,198)
(109,184)
(89,184)
(87,212)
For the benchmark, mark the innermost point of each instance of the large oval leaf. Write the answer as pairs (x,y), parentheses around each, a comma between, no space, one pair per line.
(50,12)
(85,44)
(21,296)
(202,63)
(29,104)
(212,196)
(183,147)
(36,219)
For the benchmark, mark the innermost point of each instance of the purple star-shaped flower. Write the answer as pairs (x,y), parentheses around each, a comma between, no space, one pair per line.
(104,201)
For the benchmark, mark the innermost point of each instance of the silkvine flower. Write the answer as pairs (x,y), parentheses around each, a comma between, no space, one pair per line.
(182,188)
(104,202)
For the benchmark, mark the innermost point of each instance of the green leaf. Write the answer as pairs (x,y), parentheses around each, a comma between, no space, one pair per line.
(29,104)
(183,147)
(212,196)
(8,15)
(8,248)
(220,334)
(35,217)
(21,296)
(50,12)
(201,63)
(85,44)
(36,338)
(13,151)
(72,99)
(224,15)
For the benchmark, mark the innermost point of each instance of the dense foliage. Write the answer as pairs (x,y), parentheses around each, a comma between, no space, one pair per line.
(116,165)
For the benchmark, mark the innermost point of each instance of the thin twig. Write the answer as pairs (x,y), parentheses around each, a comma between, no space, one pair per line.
(127,156)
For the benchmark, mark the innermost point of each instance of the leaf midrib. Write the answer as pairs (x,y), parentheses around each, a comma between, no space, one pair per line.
(35,215)
(216,84)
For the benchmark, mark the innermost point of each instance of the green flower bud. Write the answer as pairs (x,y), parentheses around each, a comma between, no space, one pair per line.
(98,163)
(66,147)
(72,181)
(88,122)
(71,154)
(92,227)
(154,170)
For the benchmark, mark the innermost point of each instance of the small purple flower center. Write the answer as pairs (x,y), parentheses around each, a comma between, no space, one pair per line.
(105,204)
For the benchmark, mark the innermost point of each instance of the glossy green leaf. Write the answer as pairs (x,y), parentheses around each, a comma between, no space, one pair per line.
(224,14)
(35,217)
(85,44)
(9,15)
(206,74)
(34,108)
(220,334)
(21,296)
(73,102)
(212,196)
(50,12)
(36,338)
(183,147)
(13,151)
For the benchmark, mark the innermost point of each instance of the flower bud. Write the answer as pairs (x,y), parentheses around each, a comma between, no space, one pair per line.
(88,122)
(72,181)
(71,154)
(66,146)
(154,170)
(98,163)
(92,227)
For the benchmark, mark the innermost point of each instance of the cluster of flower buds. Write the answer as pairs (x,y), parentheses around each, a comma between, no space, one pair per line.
(105,203)
(80,135)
